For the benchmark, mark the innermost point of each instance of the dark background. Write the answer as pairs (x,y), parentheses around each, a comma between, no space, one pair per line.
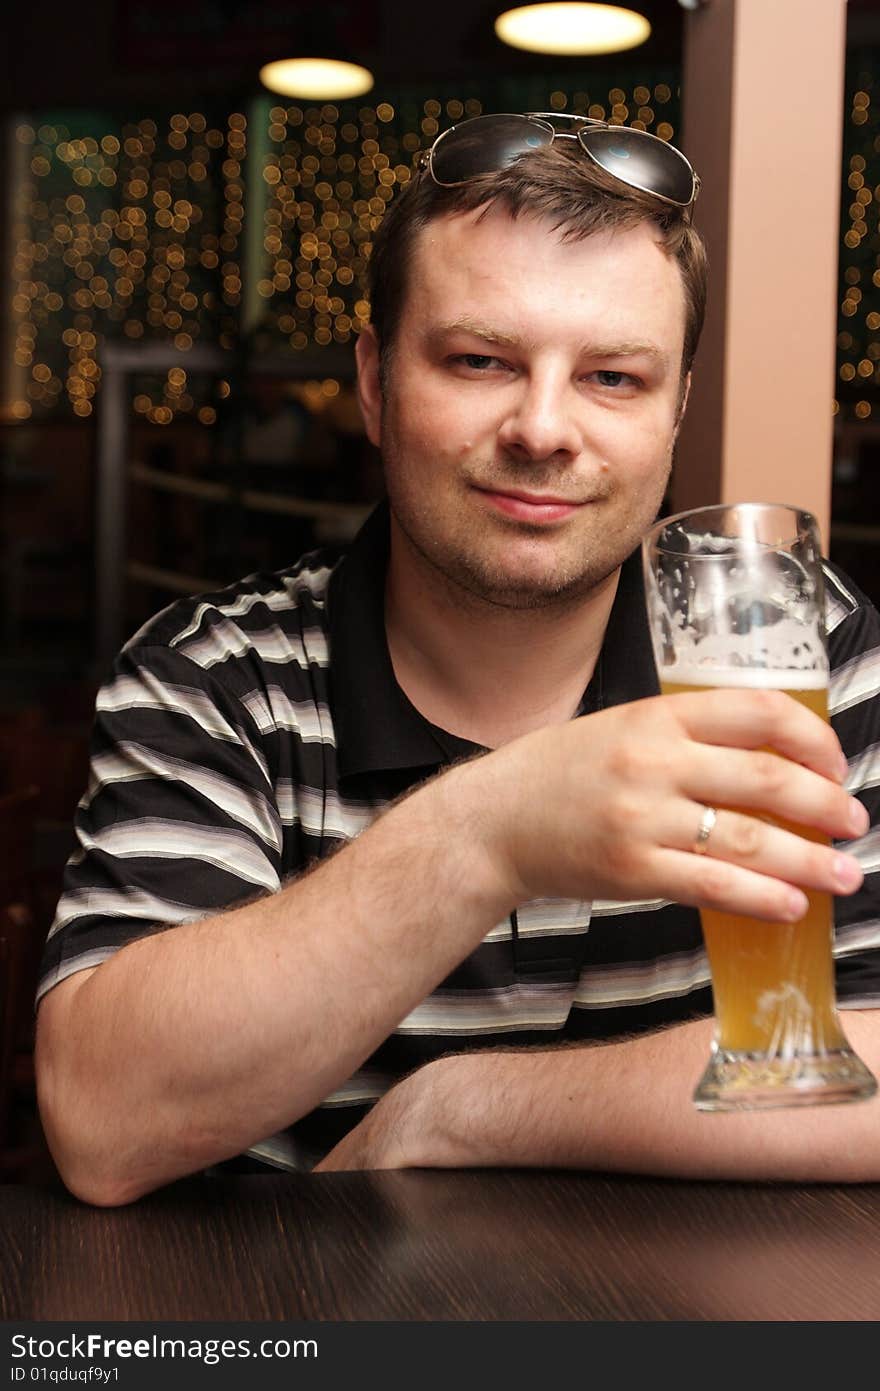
(276,437)
(114,53)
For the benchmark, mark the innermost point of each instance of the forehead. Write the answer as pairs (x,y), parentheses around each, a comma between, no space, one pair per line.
(524,271)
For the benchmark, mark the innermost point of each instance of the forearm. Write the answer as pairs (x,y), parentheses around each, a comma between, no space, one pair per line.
(189,1045)
(627,1107)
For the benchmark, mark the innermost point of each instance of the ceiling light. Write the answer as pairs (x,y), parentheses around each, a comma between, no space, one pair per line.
(572,28)
(316,78)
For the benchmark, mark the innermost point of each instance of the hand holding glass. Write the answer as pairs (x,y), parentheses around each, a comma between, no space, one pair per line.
(735,599)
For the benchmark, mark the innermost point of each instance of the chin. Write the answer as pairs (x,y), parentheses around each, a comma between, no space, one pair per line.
(522,592)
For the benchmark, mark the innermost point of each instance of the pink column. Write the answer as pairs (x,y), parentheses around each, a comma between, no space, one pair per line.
(763,111)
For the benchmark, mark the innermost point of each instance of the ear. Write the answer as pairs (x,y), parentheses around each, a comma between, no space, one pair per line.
(682,405)
(368,388)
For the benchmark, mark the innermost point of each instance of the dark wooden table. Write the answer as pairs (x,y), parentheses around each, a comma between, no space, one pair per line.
(445,1245)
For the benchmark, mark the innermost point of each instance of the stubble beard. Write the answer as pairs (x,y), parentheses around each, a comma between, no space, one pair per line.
(470,576)
(476,581)
(473,579)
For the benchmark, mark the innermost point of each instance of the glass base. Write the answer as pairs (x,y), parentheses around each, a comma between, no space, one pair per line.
(750,1082)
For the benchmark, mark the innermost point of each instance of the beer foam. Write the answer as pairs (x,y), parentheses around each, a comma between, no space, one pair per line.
(751,678)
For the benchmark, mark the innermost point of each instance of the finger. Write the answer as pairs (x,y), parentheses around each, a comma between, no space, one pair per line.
(705,881)
(333,1162)
(760,781)
(770,850)
(754,719)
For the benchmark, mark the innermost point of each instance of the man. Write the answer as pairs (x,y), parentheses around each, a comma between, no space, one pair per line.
(219,984)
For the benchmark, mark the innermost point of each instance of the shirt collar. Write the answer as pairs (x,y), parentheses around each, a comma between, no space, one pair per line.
(626,670)
(378,729)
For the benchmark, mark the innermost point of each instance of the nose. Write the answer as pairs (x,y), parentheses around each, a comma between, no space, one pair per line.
(541,420)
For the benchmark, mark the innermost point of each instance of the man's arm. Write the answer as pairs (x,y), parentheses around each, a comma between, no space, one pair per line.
(188,1046)
(622,1106)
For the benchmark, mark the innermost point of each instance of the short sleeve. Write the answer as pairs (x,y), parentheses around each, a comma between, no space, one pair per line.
(854,645)
(179,819)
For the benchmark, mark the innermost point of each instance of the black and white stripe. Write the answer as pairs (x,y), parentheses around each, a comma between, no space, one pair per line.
(217,773)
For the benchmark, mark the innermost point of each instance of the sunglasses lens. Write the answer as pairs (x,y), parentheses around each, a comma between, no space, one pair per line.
(484,145)
(648,164)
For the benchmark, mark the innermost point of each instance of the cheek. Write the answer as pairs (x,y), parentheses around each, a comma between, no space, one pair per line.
(454,419)
(430,440)
(645,445)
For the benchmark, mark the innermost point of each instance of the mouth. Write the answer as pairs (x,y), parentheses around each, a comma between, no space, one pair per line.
(537,508)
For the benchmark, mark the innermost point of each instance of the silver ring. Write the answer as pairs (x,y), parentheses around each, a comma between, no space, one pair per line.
(707,826)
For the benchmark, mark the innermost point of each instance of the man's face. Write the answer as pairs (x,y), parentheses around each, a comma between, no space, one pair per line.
(532,402)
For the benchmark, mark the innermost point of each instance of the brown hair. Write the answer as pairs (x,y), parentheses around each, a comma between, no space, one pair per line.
(557,183)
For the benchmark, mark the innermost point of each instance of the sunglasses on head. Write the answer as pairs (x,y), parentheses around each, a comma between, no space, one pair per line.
(486,144)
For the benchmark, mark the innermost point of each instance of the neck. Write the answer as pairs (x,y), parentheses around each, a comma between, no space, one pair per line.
(482,671)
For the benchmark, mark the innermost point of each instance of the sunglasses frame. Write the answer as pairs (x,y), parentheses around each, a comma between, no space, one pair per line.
(582,126)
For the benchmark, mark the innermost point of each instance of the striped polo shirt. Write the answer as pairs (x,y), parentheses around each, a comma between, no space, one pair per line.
(243,735)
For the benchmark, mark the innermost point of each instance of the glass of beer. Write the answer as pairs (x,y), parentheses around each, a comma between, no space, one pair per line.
(735,599)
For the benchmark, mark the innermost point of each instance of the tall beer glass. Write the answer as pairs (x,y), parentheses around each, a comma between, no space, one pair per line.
(735,599)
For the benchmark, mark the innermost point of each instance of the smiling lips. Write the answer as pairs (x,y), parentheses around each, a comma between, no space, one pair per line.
(530,507)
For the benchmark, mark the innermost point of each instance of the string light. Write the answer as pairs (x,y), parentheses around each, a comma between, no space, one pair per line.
(138,232)
(858,340)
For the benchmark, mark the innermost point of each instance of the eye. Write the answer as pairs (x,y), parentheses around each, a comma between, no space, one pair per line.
(478,362)
(614,379)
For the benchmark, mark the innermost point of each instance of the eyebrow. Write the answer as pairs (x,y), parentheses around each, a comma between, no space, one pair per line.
(489,335)
(476,330)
